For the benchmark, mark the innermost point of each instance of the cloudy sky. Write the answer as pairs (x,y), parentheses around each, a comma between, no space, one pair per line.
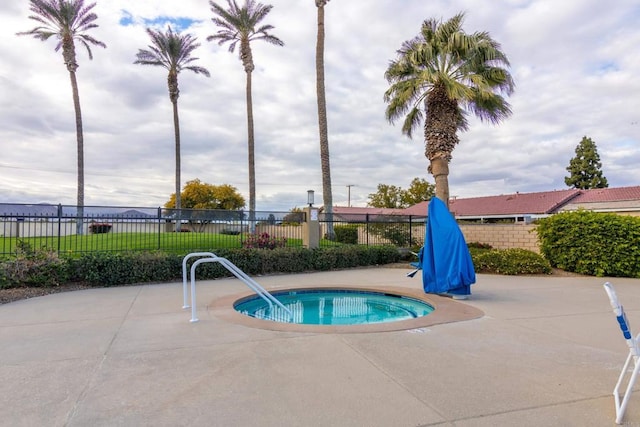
(575,63)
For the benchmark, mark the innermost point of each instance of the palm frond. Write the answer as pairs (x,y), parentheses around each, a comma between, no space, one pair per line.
(64,18)
(470,68)
(171,50)
(242,24)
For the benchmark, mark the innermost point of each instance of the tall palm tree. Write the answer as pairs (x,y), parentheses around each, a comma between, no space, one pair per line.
(242,24)
(173,52)
(442,74)
(325,164)
(67,21)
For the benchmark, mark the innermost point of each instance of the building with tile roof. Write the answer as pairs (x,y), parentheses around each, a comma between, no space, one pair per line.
(524,207)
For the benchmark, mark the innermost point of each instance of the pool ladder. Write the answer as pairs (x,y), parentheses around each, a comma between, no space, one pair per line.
(211,257)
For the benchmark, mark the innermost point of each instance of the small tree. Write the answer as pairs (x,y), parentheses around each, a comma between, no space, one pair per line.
(203,198)
(419,191)
(294,217)
(200,195)
(387,196)
(390,196)
(585,168)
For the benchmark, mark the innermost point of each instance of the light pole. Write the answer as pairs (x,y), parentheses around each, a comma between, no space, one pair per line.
(349,194)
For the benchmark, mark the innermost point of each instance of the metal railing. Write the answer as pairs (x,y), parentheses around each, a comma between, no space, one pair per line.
(375,229)
(112,229)
(233,269)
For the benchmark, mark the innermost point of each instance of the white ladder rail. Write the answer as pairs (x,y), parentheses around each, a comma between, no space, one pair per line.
(252,284)
(185,288)
(634,355)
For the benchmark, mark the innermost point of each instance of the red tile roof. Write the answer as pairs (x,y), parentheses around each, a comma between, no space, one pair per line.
(541,203)
(546,202)
(342,210)
(508,204)
(597,195)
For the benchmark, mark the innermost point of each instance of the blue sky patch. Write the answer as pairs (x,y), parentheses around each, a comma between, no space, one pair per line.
(177,23)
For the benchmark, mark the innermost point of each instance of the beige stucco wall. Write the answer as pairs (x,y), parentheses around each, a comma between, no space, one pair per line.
(503,236)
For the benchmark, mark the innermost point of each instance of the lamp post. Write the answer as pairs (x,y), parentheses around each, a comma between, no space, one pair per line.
(310,197)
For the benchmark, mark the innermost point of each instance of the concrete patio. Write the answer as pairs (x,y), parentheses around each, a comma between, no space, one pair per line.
(547,352)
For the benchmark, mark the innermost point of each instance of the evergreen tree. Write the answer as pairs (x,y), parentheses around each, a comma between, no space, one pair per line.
(585,168)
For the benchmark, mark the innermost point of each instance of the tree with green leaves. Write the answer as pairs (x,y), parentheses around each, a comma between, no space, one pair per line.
(585,168)
(204,203)
(387,196)
(438,77)
(420,190)
(68,21)
(390,196)
(200,195)
(243,25)
(172,51)
(325,163)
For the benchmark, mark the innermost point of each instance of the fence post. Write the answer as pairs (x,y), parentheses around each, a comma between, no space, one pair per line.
(367,227)
(59,225)
(159,227)
(311,229)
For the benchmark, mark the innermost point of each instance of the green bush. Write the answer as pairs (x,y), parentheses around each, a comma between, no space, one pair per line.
(346,234)
(510,261)
(592,243)
(398,234)
(113,269)
(264,241)
(34,267)
(478,245)
(99,228)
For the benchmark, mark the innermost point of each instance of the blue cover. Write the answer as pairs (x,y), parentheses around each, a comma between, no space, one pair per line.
(445,259)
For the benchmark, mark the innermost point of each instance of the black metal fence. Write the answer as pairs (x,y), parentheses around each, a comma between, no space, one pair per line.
(67,229)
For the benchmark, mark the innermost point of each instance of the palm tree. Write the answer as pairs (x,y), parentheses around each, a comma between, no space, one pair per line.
(325,165)
(442,74)
(173,52)
(240,24)
(68,20)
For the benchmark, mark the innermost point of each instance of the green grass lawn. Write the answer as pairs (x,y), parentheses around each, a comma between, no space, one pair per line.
(168,242)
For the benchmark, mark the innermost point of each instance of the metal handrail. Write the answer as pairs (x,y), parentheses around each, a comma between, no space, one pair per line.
(185,295)
(252,284)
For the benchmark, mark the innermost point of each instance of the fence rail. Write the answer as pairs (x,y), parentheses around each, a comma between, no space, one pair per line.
(67,229)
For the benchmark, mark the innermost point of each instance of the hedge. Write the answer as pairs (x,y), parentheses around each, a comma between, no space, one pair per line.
(113,269)
(592,243)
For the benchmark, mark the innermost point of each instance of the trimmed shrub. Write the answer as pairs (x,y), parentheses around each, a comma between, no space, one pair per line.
(35,268)
(511,262)
(264,241)
(478,245)
(99,228)
(398,234)
(592,243)
(346,234)
(114,269)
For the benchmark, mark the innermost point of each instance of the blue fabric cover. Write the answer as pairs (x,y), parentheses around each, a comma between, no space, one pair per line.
(445,259)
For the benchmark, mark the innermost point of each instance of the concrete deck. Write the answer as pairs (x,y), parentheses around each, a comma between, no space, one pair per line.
(547,352)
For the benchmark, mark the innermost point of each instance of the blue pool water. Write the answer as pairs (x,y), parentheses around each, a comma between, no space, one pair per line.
(335,307)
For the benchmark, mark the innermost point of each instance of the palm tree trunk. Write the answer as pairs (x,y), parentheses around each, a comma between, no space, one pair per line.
(176,128)
(251,154)
(323,127)
(439,167)
(440,136)
(80,155)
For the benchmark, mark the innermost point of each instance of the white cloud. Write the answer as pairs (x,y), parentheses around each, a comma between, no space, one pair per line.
(573,62)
